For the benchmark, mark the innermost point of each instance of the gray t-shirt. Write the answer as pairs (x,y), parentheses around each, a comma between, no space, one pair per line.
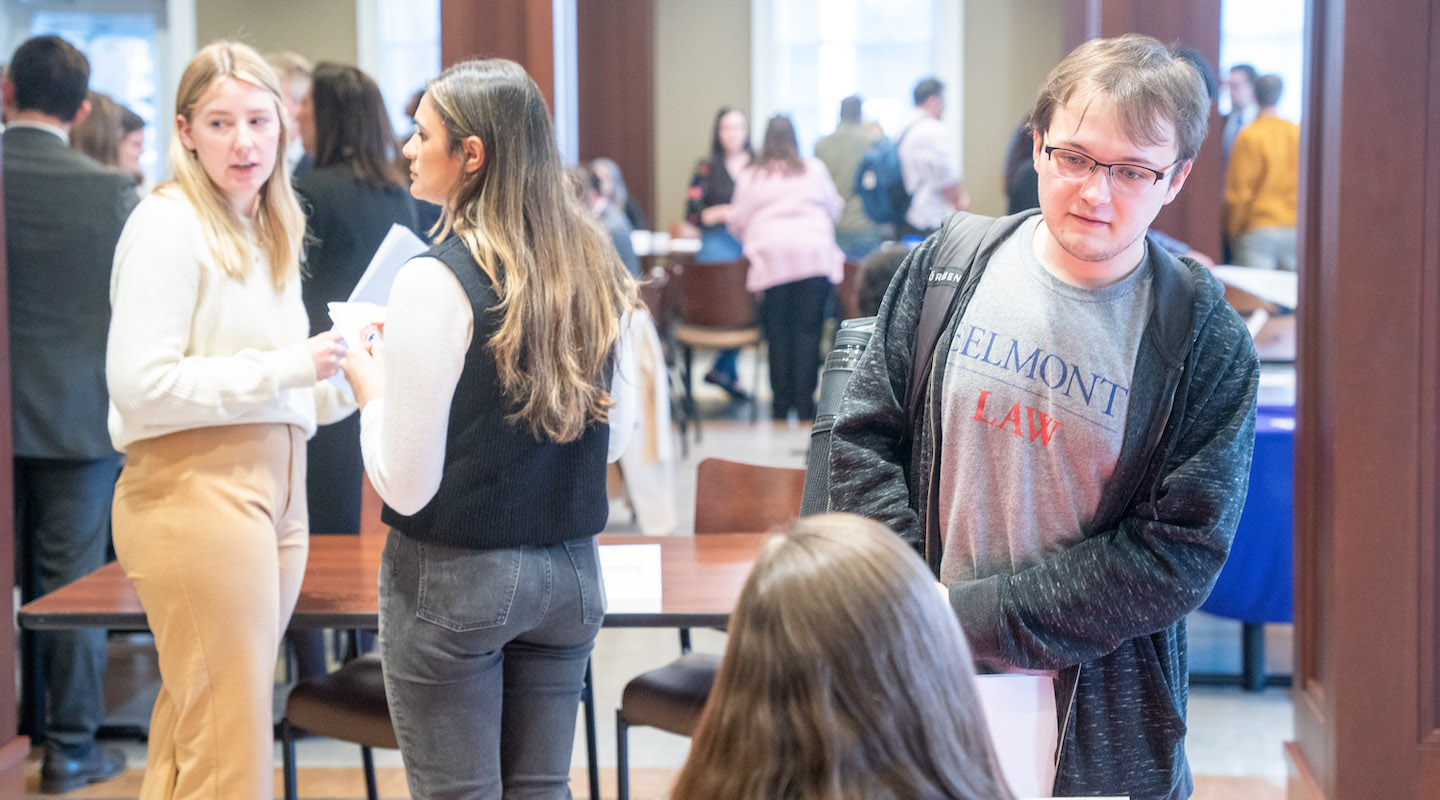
(1036,387)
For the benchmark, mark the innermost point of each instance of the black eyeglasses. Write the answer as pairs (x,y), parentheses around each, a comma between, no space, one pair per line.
(1127,178)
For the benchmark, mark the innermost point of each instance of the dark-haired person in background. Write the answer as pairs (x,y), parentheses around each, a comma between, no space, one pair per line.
(610,216)
(132,144)
(707,207)
(98,134)
(63,216)
(351,198)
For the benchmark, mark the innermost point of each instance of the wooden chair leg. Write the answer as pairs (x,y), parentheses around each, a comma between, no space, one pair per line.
(622,757)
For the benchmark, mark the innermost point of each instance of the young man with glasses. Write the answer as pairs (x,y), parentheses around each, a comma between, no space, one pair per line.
(1074,457)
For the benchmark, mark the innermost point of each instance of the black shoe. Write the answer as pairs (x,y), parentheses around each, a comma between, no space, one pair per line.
(60,773)
(728,383)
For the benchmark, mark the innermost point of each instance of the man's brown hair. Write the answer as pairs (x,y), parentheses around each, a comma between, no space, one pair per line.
(1148,82)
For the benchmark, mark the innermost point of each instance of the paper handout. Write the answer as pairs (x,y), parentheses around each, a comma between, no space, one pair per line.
(400,245)
(632,577)
(351,319)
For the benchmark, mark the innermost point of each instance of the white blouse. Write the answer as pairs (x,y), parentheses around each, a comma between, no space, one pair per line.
(428,327)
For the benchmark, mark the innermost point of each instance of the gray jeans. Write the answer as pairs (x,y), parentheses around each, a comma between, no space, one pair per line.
(484,654)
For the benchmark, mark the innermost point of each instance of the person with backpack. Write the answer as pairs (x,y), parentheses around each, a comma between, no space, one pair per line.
(927,164)
(1059,416)
(841,152)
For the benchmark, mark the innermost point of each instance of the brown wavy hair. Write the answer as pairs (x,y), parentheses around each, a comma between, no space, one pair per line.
(781,153)
(846,677)
(561,284)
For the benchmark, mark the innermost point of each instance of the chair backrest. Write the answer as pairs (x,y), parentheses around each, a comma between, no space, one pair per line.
(849,291)
(734,497)
(713,295)
(659,291)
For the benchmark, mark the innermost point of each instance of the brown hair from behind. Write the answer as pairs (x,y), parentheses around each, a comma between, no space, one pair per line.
(98,134)
(562,286)
(846,676)
(780,154)
(1148,83)
(352,126)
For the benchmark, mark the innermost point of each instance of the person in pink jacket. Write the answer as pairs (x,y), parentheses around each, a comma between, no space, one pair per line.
(784,212)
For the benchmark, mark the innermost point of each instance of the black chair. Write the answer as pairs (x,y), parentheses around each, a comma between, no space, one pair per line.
(730,497)
(349,704)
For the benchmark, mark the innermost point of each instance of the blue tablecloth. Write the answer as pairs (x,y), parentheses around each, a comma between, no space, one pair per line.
(1256,584)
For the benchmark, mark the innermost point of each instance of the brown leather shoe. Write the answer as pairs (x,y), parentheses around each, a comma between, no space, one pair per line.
(59,773)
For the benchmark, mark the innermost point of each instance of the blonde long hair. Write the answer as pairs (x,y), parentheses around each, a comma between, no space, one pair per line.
(279,222)
(846,677)
(561,285)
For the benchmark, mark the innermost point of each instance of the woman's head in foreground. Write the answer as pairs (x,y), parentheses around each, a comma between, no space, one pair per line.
(846,676)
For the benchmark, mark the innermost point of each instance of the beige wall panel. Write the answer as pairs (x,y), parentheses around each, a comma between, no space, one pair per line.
(702,61)
(1010,46)
(320,30)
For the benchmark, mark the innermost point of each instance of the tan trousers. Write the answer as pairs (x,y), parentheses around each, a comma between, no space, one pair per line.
(211,526)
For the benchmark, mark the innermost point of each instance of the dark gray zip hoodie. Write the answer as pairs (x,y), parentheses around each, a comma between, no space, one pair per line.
(1109,612)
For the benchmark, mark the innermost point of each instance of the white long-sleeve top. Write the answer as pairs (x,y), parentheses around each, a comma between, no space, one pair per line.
(190,347)
(428,330)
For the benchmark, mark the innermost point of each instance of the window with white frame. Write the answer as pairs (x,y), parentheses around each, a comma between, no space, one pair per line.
(400,48)
(808,55)
(1269,35)
(121,40)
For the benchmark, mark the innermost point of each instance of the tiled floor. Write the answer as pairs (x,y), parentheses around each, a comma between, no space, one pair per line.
(1234,740)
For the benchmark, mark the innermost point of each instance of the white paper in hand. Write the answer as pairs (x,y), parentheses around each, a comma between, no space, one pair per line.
(1020,712)
(400,245)
(352,318)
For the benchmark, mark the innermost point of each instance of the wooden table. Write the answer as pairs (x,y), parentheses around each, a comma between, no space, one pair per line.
(701,580)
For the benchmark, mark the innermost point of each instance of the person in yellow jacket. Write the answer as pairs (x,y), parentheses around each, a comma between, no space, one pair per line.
(1261,185)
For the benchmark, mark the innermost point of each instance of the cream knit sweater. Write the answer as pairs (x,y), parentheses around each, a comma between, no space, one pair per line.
(190,347)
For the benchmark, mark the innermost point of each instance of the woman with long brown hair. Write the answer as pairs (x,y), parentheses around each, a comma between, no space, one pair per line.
(784,215)
(487,421)
(846,677)
(214,389)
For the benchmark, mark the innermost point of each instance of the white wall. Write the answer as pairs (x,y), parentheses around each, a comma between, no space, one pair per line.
(702,62)
(1010,46)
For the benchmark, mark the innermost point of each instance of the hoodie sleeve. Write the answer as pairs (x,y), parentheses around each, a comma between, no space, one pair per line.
(1160,562)
(870,443)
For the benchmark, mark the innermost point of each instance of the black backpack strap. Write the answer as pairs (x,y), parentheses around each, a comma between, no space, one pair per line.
(964,236)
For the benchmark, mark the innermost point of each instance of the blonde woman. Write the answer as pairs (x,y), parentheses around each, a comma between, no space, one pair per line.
(213,390)
(486,422)
(846,677)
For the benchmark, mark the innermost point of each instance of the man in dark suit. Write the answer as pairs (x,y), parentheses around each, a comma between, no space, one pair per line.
(63,215)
